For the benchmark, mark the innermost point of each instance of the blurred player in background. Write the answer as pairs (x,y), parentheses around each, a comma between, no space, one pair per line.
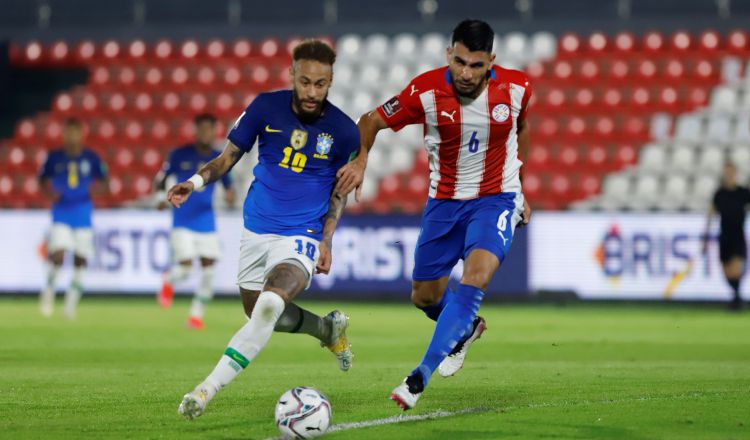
(194,224)
(290,213)
(730,202)
(67,176)
(474,117)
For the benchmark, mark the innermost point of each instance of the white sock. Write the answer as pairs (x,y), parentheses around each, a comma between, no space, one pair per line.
(178,273)
(73,294)
(247,342)
(49,285)
(205,292)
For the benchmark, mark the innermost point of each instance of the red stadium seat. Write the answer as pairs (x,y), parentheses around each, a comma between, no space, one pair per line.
(179,76)
(60,53)
(232,76)
(674,69)
(189,49)
(619,70)
(206,76)
(26,130)
(653,42)
(681,41)
(589,185)
(136,50)
(568,156)
(241,49)
(709,41)
(110,50)
(570,44)
(153,76)
(604,127)
(85,51)
(539,158)
(163,50)
(563,70)
(624,42)
(143,102)
(170,101)
(133,131)
(224,104)
(126,76)
(151,159)
(101,76)
(63,103)
(738,42)
(597,43)
(270,48)
(33,52)
(215,49)
(583,99)
(646,70)
(159,131)
(198,102)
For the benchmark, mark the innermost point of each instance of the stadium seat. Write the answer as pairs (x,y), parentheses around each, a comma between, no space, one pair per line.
(682,160)
(653,158)
(711,160)
(646,193)
(675,192)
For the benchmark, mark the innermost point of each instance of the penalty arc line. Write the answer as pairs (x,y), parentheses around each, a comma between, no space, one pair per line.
(398,419)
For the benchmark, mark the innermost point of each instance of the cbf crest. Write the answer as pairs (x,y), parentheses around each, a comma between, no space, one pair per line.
(298,139)
(323,147)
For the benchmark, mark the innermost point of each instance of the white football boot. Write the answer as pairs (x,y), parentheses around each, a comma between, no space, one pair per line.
(454,361)
(194,403)
(340,347)
(404,397)
(47,302)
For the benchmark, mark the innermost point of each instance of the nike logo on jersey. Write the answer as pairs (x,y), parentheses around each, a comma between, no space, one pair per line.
(413,90)
(271,130)
(448,115)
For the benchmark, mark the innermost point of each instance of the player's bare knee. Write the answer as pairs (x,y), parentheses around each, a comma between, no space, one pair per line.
(57,258)
(285,279)
(423,295)
(79,261)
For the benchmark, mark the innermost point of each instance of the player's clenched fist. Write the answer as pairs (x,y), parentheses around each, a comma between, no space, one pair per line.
(179,193)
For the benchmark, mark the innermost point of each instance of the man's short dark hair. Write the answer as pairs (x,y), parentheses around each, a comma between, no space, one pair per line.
(314,50)
(72,122)
(476,35)
(205,117)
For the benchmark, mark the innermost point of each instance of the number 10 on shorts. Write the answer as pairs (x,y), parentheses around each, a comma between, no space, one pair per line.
(307,248)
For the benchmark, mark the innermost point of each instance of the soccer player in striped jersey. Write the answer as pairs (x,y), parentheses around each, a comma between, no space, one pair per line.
(475,130)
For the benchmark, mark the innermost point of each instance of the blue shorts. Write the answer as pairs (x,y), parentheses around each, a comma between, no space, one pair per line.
(451,229)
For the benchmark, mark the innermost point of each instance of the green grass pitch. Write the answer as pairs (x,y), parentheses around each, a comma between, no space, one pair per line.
(577,372)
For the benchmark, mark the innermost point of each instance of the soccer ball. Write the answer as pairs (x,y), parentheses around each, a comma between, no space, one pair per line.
(303,413)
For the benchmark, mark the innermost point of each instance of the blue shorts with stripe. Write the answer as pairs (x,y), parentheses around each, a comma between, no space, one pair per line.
(451,229)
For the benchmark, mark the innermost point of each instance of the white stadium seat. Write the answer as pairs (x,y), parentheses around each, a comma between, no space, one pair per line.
(369,77)
(645,193)
(724,99)
(702,192)
(675,193)
(401,159)
(742,128)
(376,48)
(361,102)
(398,76)
(653,158)
(432,49)
(404,47)
(682,160)
(515,48)
(740,156)
(348,47)
(616,187)
(711,160)
(543,46)
(689,127)
(719,128)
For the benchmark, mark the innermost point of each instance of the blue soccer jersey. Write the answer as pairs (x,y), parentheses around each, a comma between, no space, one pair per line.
(71,178)
(297,163)
(197,213)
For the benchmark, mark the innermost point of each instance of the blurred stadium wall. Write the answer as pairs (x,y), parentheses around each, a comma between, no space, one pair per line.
(637,104)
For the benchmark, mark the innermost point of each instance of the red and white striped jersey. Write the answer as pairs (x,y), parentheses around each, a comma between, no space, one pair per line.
(472,144)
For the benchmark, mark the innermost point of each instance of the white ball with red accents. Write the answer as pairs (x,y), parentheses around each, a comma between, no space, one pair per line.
(303,412)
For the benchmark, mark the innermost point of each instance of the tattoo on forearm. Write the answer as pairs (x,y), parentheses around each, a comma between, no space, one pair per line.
(216,168)
(336,206)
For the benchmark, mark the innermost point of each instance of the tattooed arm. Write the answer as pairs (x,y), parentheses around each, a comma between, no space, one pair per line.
(336,206)
(209,172)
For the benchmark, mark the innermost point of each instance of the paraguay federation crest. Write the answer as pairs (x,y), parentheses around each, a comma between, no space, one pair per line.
(298,139)
(323,147)
(500,113)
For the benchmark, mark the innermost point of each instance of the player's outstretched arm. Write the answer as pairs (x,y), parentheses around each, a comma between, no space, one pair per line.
(336,206)
(351,175)
(208,173)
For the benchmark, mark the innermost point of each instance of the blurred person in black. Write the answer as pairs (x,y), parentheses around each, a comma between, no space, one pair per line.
(730,201)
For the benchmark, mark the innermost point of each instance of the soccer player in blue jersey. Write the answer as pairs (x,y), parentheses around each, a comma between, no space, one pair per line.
(194,224)
(67,176)
(290,213)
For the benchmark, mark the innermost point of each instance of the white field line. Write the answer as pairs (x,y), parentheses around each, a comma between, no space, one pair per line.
(564,403)
(397,419)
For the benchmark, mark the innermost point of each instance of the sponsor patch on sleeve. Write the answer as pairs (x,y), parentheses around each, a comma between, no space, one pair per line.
(391,107)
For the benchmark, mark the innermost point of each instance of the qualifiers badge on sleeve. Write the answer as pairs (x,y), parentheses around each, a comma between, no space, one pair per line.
(391,107)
